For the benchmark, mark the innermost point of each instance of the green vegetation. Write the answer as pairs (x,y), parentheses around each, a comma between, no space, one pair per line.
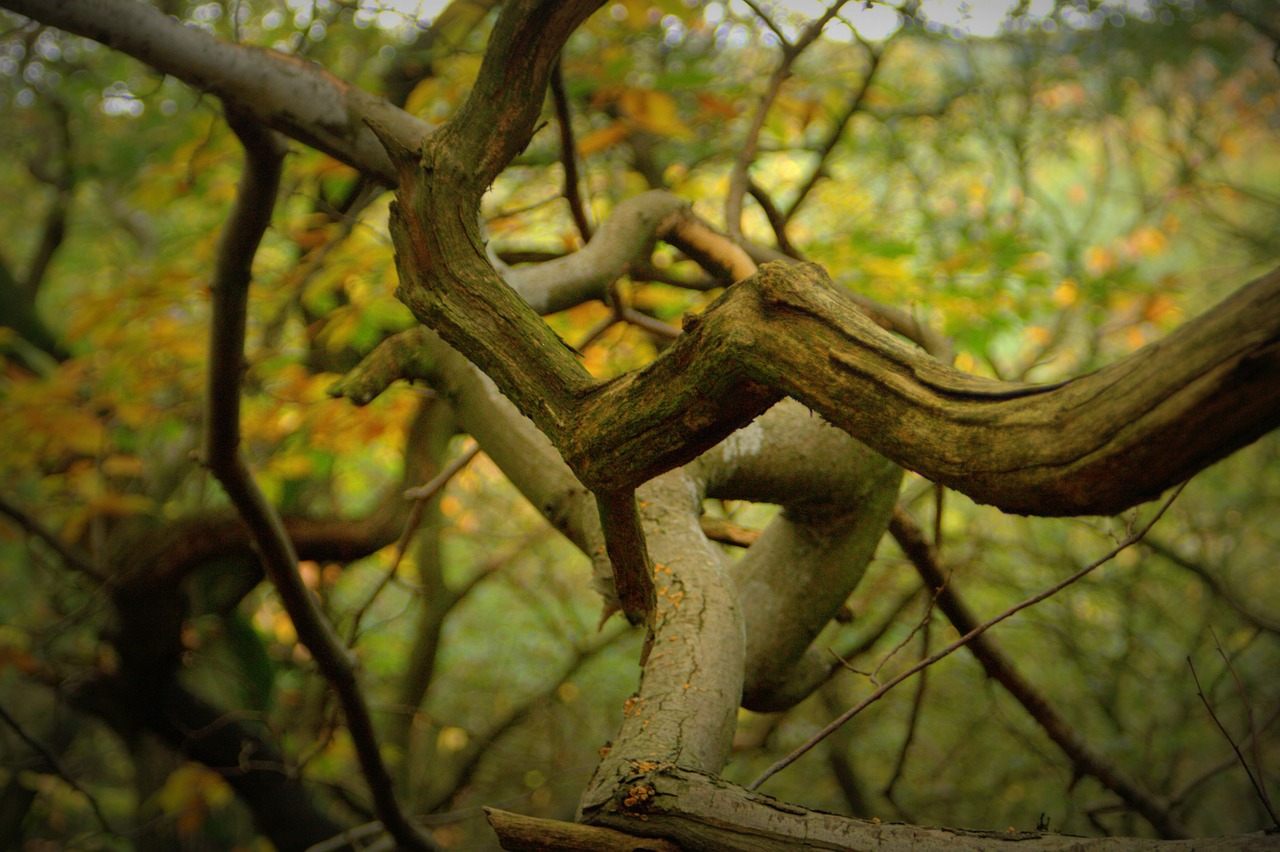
(1029,205)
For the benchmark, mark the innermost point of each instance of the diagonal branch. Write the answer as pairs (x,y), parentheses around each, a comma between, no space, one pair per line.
(738,175)
(998,666)
(296,97)
(1093,445)
(964,640)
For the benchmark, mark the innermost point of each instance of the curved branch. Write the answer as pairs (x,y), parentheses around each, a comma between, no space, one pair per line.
(1096,444)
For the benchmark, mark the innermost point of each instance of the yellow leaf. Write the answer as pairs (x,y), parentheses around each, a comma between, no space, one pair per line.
(122,465)
(1066,293)
(1146,241)
(602,139)
(1159,309)
(966,363)
(1039,335)
(653,110)
(893,268)
(451,739)
(1098,260)
(292,467)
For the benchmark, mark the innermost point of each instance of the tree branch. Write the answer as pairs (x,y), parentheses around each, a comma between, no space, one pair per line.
(1084,760)
(1093,445)
(965,639)
(1237,388)
(569,154)
(292,95)
(248,220)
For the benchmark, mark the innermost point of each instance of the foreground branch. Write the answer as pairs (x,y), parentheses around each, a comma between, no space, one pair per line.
(701,812)
(1097,444)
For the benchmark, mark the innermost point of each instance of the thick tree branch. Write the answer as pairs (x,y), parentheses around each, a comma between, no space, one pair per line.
(702,812)
(836,496)
(1092,445)
(1055,445)
(292,95)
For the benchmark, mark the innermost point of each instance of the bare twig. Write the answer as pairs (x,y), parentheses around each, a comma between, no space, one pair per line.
(960,643)
(738,177)
(1192,785)
(569,154)
(241,236)
(621,311)
(1215,583)
(1260,784)
(998,666)
(73,556)
(421,495)
(837,131)
(481,744)
(917,702)
(1244,763)
(777,220)
(53,763)
(768,21)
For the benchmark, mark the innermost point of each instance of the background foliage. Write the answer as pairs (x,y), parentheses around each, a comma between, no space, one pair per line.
(1049,198)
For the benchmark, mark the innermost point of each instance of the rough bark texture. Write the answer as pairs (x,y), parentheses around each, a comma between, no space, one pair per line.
(705,813)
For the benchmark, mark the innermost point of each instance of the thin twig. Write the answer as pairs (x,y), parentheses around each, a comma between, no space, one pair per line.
(874,676)
(837,131)
(1216,584)
(768,22)
(1239,756)
(960,643)
(569,154)
(738,175)
(998,666)
(913,718)
(654,326)
(1244,763)
(49,758)
(776,220)
(74,557)
(421,496)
